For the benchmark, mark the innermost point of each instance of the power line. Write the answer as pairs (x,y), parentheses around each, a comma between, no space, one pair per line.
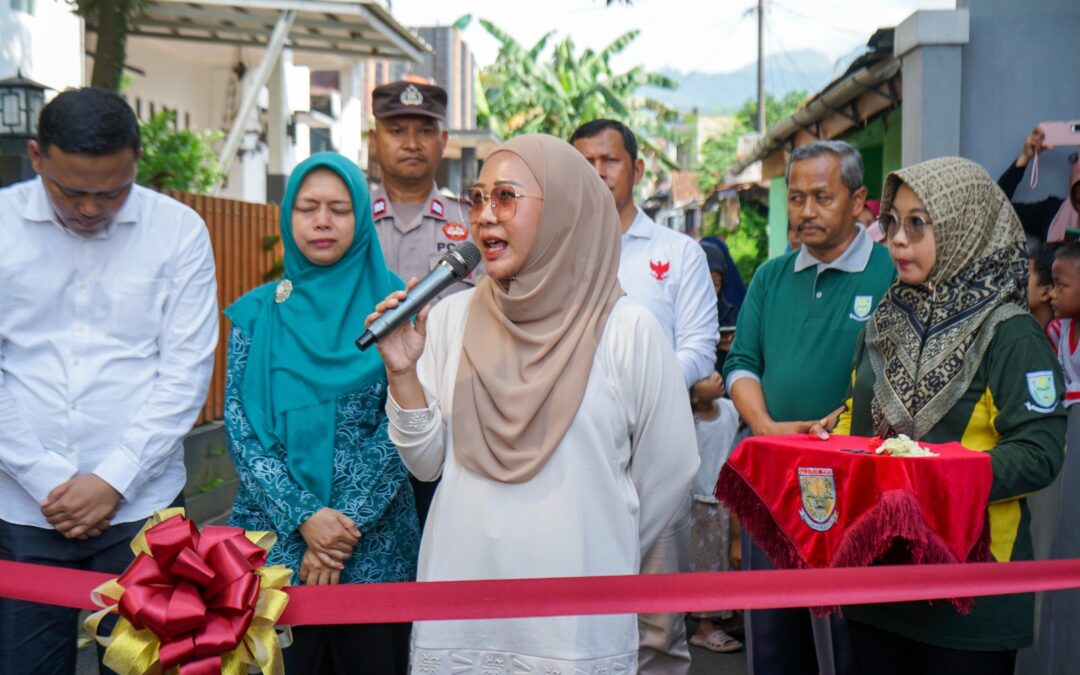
(719,44)
(814,19)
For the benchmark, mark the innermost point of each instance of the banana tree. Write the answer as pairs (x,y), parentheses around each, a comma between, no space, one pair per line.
(554,91)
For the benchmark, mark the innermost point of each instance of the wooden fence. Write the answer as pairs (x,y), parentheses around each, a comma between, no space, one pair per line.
(238,233)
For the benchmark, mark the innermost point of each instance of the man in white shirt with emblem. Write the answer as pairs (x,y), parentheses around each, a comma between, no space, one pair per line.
(667,272)
(108,325)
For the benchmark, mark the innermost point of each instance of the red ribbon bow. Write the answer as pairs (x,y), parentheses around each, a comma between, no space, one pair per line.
(195,592)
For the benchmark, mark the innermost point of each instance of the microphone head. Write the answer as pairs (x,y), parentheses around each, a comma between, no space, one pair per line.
(462,259)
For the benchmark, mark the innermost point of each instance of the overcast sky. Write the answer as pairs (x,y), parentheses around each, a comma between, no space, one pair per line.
(704,35)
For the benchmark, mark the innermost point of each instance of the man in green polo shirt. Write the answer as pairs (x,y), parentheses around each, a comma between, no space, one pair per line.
(791,362)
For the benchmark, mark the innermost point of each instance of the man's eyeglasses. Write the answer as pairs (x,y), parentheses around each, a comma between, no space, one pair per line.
(503,200)
(914,227)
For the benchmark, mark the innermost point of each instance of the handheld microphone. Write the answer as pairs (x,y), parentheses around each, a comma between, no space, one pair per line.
(455,265)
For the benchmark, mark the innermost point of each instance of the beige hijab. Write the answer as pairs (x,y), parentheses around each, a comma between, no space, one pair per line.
(529,345)
(926,343)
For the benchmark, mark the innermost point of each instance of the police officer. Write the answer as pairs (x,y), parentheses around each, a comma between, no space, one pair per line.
(416,224)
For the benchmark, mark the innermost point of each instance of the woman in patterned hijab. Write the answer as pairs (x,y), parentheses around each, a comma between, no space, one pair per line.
(952,355)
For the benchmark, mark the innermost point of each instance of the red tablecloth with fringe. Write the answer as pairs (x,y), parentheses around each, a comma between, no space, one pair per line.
(835,503)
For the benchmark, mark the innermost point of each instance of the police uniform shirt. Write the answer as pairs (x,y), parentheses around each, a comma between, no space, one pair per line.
(413,249)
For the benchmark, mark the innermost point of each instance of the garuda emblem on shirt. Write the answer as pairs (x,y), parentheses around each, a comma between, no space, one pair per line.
(659,269)
(818,488)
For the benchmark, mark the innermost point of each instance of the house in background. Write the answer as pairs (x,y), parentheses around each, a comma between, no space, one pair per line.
(244,67)
(972,82)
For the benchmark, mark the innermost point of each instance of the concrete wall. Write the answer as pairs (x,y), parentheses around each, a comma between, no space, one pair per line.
(1021,66)
(46,45)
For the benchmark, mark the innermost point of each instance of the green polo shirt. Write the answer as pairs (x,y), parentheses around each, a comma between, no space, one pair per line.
(798,327)
(1012,410)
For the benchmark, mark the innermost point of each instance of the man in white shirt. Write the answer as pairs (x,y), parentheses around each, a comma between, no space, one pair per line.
(667,272)
(108,325)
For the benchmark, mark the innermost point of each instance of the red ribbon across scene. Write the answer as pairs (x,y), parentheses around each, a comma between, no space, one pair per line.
(506,598)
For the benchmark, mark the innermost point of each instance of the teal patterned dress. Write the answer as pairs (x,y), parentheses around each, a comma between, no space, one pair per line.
(370,483)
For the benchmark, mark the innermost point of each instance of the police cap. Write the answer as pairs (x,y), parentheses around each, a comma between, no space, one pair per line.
(409,98)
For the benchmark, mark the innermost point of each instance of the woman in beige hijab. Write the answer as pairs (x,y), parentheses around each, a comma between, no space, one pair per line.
(553,409)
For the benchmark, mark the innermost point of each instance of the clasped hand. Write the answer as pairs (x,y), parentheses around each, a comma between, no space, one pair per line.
(81,507)
(330,537)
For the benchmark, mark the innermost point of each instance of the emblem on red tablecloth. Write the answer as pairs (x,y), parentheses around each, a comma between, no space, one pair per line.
(818,488)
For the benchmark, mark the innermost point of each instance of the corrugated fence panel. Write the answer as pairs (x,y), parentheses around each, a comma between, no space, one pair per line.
(237,233)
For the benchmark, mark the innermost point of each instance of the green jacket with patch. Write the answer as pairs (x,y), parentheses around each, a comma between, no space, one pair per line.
(1005,413)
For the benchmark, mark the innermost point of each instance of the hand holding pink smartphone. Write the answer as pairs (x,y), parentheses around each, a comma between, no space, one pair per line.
(1060,133)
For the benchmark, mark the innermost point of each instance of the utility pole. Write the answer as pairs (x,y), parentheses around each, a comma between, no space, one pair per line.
(761,66)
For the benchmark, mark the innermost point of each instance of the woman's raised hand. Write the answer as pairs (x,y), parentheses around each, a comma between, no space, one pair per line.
(402,348)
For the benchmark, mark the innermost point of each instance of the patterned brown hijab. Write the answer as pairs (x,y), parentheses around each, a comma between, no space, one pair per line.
(926,342)
(529,344)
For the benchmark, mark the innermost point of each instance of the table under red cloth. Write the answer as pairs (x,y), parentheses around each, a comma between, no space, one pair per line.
(813,503)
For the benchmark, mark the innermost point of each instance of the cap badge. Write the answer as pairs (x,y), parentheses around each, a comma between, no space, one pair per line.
(411,96)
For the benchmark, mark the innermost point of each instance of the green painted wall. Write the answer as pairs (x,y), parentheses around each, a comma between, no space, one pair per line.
(893,137)
(879,143)
(778,220)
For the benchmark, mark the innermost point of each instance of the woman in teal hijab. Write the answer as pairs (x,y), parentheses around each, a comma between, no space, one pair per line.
(304,413)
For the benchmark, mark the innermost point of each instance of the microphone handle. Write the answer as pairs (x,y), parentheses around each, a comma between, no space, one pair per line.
(421,294)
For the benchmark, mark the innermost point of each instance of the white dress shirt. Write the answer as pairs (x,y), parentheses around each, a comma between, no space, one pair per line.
(106,350)
(667,272)
(621,470)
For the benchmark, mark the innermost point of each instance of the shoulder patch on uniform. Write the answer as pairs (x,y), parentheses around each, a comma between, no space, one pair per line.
(437,208)
(378,207)
(455,231)
(1041,388)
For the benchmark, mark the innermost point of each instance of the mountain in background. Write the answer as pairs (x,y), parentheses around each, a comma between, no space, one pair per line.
(807,70)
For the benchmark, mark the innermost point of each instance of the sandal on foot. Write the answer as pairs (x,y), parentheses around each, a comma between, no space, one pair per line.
(718,641)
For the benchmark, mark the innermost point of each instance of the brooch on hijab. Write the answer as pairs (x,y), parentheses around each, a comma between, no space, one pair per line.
(283,291)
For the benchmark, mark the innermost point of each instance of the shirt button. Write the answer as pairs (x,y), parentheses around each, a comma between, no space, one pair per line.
(818,294)
(82,285)
(74,406)
(80,329)
(76,362)
(70,449)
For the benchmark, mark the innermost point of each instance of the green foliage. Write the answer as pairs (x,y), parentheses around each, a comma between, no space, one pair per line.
(749,243)
(209,485)
(717,154)
(177,159)
(554,91)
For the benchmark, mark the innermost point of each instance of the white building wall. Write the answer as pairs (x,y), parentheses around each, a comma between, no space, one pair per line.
(46,45)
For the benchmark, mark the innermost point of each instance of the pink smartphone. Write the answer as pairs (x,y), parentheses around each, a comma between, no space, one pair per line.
(1060,133)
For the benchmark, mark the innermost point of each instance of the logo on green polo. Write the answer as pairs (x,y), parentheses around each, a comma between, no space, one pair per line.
(861,308)
(1041,387)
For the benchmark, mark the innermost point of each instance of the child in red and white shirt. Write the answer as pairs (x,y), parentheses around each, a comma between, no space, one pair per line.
(1064,330)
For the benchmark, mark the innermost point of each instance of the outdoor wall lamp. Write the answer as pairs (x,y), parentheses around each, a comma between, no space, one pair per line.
(21,101)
